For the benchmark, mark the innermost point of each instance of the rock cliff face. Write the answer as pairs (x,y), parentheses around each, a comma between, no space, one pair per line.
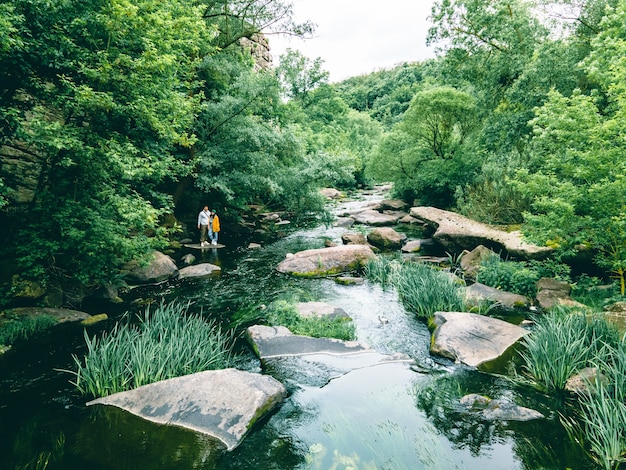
(259,48)
(20,168)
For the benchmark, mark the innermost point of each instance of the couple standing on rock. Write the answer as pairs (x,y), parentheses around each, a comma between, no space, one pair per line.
(208,222)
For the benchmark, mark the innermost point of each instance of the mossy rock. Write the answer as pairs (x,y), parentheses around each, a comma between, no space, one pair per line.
(92,320)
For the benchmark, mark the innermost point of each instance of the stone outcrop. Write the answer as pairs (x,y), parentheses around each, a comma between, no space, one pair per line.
(474,340)
(160,268)
(224,404)
(386,238)
(584,382)
(458,233)
(478,294)
(198,270)
(326,261)
(393,204)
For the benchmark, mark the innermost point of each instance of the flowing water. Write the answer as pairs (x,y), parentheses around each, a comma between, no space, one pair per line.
(383,417)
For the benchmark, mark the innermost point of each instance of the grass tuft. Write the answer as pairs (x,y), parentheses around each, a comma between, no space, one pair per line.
(165,343)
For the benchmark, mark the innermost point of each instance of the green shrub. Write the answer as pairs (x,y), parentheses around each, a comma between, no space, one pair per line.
(166,343)
(510,276)
(22,328)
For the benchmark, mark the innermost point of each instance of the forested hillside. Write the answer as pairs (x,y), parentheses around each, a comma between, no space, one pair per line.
(119,120)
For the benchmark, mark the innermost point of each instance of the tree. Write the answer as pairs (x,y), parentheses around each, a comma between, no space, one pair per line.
(300,75)
(428,154)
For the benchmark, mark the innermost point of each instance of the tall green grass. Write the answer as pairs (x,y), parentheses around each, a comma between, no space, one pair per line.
(423,290)
(601,415)
(21,328)
(562,343)
(165,343)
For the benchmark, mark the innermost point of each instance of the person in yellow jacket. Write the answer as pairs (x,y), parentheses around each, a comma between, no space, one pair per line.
(214,227)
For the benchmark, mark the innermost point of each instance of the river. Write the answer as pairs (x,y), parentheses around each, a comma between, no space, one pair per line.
(385,417)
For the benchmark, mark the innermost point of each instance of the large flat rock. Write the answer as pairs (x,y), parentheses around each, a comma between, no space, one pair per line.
(220,403)
(456,232)
(472,339)
(304,360)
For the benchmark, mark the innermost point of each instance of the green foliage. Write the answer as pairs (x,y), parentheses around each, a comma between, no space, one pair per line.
(519,277)
(22,328)
(299,75)
(166,343)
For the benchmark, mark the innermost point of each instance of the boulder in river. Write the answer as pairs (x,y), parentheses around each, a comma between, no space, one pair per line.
(160,268)
(474,340)
(326,261)
(224,404)
(198,270)
(498,410)
(386,238)
(457,233)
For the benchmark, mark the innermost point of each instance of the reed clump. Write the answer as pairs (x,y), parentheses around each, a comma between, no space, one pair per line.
(163,343)
(423,290)
(562,343)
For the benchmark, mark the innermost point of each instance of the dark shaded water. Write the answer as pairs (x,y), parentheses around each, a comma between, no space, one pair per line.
(385,417)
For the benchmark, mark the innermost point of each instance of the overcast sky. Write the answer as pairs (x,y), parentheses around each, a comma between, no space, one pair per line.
(356,37)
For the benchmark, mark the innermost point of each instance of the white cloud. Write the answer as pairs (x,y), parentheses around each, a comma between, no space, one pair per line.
(356,37)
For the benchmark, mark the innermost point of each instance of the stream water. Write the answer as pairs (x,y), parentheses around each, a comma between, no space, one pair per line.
(382,417)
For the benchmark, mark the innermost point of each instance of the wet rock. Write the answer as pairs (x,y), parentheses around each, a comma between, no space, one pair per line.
(273,341)
(320,310)
(160,268)
(326,261)
(478,294)
(474,340)
(221,403)
(375,218)
(254,246)
(498,410)
(456,233)
(198,270)
(353,238)
(386,238)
